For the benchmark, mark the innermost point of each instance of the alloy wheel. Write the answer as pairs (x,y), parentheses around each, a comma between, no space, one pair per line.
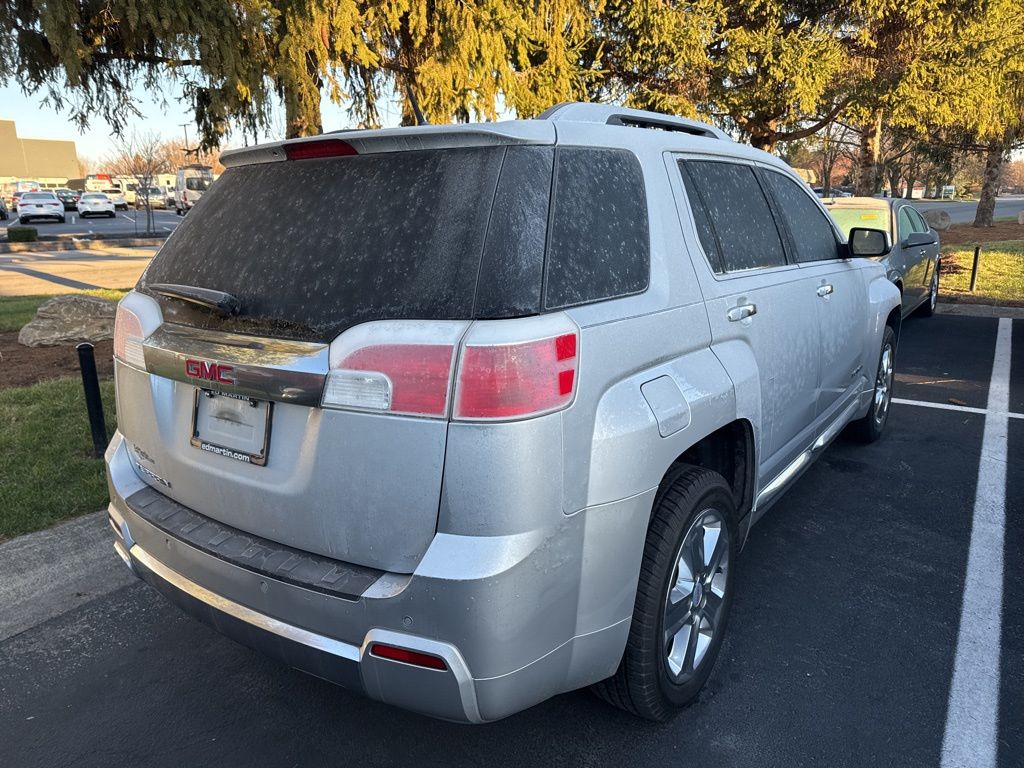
(883,384)
(694,604)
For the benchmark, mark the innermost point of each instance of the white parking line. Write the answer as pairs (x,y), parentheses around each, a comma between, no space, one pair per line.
(951,407)
(972,717)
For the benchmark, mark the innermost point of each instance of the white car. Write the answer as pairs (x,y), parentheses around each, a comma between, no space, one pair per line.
(40,205)
(117,198)
(95,204)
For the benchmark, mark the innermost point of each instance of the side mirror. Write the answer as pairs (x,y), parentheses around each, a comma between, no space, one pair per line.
(917,239)
(867,243)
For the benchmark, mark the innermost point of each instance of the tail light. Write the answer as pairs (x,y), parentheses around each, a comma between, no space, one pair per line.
(311,150)
(394,366)
(499,370)
(128,338)
(501,381)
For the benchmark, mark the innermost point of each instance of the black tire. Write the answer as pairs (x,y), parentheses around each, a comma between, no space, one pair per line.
(111,215)
(23,220)
(928,308)
(870,428)
(61,220)
(643,684)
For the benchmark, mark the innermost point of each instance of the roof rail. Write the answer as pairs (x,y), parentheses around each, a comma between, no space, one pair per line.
(610,114)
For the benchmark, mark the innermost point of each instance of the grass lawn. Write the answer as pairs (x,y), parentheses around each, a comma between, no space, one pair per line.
(1000,273)
(47,469)
(15,311)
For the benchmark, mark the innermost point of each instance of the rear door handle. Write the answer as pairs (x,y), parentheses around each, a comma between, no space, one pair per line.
(824,290)
(742,312)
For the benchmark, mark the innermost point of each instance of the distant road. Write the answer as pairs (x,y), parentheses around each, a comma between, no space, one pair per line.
(963,213)
(124,223)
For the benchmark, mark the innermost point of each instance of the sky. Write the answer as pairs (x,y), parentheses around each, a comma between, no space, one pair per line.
(36,121)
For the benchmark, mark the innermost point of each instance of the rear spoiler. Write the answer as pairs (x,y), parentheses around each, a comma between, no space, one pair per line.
(404,139)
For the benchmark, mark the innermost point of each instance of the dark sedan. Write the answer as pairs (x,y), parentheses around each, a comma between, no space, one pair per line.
(68,197)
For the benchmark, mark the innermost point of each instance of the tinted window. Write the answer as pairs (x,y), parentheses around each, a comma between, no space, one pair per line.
(739,213)
(809,227)
(38,196)
(511,273)
(353,239)
(906,226)
(598,244)
(705,231)
(197,184)
(920,225)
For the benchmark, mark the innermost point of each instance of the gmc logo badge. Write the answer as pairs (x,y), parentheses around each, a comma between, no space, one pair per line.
(200,369)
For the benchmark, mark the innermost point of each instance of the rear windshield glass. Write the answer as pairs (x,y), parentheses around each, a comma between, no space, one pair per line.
(315,246)
(30,196)
(869,218)
(312,247)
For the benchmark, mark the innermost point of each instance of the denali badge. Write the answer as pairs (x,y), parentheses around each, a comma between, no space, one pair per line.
(201,369)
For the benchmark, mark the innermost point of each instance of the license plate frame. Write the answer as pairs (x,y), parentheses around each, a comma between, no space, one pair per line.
(246,457)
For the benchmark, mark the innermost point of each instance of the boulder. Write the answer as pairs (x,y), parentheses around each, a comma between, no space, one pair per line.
(938,219)
(69,320)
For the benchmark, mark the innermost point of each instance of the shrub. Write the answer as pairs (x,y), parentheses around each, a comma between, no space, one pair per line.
(22,234)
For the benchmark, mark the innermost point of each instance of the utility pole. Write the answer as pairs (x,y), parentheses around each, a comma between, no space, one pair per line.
(194,150)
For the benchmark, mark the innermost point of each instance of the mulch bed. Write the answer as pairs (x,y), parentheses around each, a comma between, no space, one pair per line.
(21,366)
(962,234)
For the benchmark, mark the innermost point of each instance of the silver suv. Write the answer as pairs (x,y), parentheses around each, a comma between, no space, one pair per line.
(483,413)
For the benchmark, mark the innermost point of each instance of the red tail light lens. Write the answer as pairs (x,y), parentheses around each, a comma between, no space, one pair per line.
(417,375)
(407,657)
(311,150)
(500,381)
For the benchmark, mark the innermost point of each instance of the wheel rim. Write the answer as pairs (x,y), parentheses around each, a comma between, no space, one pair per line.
(695,601)
(883,384)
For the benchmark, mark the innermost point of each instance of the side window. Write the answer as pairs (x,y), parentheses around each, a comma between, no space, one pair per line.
(705,231)
(599,242)
(812,234)
(738,211)
(905,223)
(920,225)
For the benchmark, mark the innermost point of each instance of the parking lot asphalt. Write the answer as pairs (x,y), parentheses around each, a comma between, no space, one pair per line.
(845,636)
(128,222)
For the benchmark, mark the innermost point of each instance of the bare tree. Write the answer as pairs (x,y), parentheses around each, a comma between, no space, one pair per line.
(142,157)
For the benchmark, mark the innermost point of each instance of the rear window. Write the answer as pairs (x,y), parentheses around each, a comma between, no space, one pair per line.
(312,247)
(28,197)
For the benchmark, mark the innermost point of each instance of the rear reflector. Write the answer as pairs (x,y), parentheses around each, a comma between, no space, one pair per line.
(311,150)
(501,381)
(128,338)
(407,657)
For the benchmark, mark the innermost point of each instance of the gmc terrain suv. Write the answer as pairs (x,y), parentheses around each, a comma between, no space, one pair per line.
(484,413)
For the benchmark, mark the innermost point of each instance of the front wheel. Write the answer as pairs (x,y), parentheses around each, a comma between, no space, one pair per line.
(683,597)
(870,428)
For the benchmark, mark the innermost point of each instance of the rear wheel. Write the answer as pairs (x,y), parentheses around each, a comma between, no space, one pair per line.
(111,214)
(683,597)
(928,308)
(870,428)
(23,220)
(61,220)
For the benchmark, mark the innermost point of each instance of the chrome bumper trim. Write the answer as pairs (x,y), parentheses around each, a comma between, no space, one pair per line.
(238,611)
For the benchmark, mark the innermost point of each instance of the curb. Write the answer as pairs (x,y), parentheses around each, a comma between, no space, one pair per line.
(964,309)
(50,572)
(77,244)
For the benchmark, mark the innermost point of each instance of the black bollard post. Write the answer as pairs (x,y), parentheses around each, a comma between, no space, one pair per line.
(974,268)
(93,401)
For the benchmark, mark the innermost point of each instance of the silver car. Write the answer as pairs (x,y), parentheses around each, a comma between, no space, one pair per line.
(497,426)
(914,262)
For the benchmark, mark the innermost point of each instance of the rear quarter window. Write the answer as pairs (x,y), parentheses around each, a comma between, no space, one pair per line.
(599,238)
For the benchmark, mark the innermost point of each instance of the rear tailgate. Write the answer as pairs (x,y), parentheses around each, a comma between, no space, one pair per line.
(311,249)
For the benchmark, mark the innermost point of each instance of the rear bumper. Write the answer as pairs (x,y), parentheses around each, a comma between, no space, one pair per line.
(516,619)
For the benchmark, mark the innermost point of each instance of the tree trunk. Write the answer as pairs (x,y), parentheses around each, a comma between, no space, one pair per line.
(870,150)
(894,181)
(302,100)
(994,158)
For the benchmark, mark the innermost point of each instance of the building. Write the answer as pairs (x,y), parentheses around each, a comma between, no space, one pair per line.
(50,162)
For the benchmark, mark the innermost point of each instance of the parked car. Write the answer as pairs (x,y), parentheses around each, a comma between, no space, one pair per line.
(68,197)
(169,197)
(40,205)
(191,182)
(14,200)
(498,427)
(117,198)
(914,262)
(96,204)
(3,210)
(154,196)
